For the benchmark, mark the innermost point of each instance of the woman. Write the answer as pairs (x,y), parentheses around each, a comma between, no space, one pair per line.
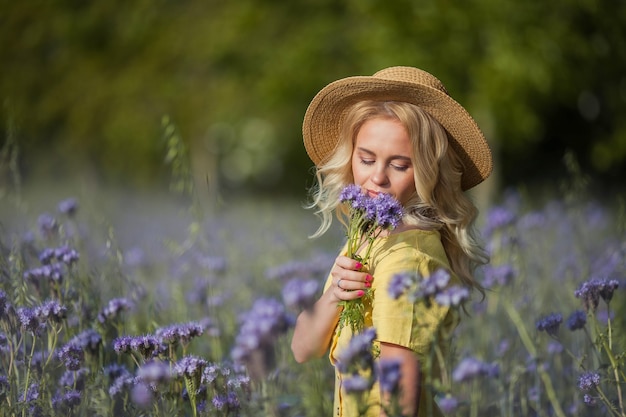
(396,132)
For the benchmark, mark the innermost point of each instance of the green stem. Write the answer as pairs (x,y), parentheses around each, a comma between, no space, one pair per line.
(30,361)
(614,364)
(526,340)
(608,403)
(474,402)
(191,391)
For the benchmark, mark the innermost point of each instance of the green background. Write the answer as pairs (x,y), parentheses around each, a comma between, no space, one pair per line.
(85,85)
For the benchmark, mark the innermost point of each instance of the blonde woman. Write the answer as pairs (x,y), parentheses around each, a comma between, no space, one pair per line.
(396,132)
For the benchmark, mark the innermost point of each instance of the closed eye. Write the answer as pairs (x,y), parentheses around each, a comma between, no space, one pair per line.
(367,161)
(400,168)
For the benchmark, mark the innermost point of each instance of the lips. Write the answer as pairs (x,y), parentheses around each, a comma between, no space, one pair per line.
(372,193)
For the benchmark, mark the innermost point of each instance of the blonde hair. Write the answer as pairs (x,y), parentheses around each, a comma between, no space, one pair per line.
(438,202)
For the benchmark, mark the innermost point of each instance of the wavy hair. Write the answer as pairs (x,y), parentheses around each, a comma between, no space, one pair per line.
(438,202)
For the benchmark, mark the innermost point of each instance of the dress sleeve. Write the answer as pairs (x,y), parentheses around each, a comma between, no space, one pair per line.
(399,321)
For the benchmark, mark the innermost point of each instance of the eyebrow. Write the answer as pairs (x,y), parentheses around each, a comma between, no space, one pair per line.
(367,151)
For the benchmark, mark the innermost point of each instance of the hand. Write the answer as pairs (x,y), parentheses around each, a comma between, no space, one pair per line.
(349,282)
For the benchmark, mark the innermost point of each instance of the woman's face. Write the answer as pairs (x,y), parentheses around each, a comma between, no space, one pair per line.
(381,159)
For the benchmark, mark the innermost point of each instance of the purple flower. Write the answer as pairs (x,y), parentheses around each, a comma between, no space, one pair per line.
(219,401)
(148,346)
(212,263)
(550,323)
(48,226)
(66,255)
(4,384)
(589,400)
(361,206)
(120,384)
(190,366)
(498,218)
(400,283)
(357,383)
(226,402)
(141,395)
(588,381)
(388,211)
(503,347)
(69,206)
(51,311)
(238,382)
(453,296)
(179,333)
(66,401)
(471,368)
(389,373)
(114,308)
(214,374)
(577,320)
(52,272)
(498,275)
(63,254)
(114,371)
(46,256)
(591,291)
(358,354)
(315,267)
(32,393)
(209,326)
(448,404)
(154,372)
(29,320)
(607,289)
(4,303)
(433,284)
(555,347)
(260,327)
(135,257)
(123,344)
(72,356)
(74,379)
(351,193)
(89,340)
(369,217)
(300,294)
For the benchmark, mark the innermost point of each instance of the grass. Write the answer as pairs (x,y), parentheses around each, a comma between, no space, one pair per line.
(225,272)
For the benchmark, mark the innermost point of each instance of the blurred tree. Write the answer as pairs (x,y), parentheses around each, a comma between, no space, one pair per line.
(91,81)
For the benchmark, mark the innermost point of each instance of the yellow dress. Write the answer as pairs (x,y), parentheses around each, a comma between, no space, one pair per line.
(400,322)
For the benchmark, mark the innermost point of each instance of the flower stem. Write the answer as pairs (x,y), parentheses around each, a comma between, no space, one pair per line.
(614,365)
(530,347)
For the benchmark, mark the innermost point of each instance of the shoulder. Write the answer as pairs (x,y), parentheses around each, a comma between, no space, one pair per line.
(417,241)
(409,250)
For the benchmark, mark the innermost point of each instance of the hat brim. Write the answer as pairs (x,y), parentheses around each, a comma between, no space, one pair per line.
(322,121)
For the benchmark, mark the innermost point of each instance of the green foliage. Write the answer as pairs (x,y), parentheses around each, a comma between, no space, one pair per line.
(94,79)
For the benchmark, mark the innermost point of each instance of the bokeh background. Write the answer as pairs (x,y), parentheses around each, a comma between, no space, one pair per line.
(173,129)
(116,92)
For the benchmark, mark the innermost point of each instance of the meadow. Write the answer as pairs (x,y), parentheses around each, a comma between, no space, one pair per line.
(130,305)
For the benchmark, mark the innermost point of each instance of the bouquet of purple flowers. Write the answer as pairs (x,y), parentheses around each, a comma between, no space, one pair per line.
(369,217)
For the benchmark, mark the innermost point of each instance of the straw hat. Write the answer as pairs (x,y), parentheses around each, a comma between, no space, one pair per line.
(322,121)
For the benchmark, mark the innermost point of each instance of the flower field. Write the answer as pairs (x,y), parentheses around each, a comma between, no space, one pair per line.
(189,313)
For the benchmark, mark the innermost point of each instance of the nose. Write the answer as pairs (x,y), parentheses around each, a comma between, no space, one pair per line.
(379,176)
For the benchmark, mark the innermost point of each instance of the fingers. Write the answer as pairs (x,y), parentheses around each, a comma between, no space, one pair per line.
(349,282)
(352,281)
(348,295)
(348,263)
